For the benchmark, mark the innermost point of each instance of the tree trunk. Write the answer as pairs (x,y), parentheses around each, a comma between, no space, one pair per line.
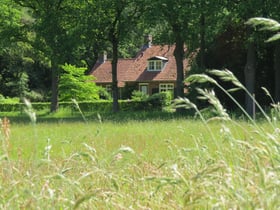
(250,76)
(179,57)
(55,81)
(201,56)
(277,71)
(115,90)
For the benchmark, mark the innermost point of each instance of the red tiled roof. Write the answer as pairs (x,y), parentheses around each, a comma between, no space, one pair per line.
(135,69)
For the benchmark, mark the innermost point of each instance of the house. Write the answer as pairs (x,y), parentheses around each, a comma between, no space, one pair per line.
(152,70)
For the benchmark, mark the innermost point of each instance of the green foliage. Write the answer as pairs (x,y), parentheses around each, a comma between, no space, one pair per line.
(139,96)
(13,105)
(64,32)
(10,23)
(159,100)
(103,93)
(74,84)
(8,100)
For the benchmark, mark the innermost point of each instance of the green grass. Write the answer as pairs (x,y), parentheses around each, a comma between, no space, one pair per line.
(139,164)
(142,160)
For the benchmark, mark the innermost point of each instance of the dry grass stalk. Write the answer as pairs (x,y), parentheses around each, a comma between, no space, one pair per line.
(6,131)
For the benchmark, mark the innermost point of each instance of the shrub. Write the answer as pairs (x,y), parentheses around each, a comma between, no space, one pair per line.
(75,84)
(139,96)
(159,100)
(85,106)
(103,94)
(134,105)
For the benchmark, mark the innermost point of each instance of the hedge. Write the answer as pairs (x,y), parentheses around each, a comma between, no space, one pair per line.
(85,106)
(155,102)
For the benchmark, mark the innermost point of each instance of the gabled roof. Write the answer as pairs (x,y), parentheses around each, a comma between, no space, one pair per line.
(103,71)
(158,58)
(135,69)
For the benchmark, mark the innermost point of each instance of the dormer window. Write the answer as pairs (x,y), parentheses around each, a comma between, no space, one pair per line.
(156,63)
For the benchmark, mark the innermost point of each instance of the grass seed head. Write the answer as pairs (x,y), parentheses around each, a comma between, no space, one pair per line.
(200,78)
(228,76)
(29,110)
(5,125)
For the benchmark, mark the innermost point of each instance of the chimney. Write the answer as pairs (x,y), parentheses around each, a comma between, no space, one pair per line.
(147,41)
(102,58)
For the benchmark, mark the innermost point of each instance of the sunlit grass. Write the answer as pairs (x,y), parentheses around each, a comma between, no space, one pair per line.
(140,165)
(68,137)
(155,162)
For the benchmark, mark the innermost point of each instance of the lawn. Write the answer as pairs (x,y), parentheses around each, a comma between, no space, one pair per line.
(139,164)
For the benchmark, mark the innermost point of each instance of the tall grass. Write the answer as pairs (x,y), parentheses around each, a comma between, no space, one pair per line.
(216,163)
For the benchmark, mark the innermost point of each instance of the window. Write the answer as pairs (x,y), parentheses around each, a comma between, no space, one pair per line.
(158,65)
(155,65)
(109,89)
(143,88)
(166,87)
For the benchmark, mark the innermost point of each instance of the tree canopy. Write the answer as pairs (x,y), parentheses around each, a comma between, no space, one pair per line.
(38,37)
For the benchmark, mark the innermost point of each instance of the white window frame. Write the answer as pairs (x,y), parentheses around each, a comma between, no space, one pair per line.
(109,88)
(164,87)
(155,65)
(144,84)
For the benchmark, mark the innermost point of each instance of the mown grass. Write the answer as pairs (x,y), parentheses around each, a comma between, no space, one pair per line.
(133,164)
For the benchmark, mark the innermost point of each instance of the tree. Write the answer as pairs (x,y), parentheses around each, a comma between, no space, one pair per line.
(90,31)
(267,9)
(120,20)
(54,27)
(16,55)
(10,24)
(271,25)
(240,11)
(177,15)
(189,22)
(74,84)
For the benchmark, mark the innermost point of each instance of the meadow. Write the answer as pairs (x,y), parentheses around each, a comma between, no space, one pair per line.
(175,163)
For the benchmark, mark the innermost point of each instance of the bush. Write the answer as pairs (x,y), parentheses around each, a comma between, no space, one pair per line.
(156,101)
(134,105)
(75,84)
(104,94)
(139,96)
(2,98)
(84,106)
(35,96)
(8,100)
(159,100)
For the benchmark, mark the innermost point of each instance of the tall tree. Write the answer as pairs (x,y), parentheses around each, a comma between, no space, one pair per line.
(178,15)
(271,25)
(91,31)
(191,22)
(277,71)
(250,76)
(120,20)
(212,18)
(53,28)
(15,52)
(273,12)
(241,12)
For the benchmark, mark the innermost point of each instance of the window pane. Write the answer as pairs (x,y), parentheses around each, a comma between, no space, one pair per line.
(144,89)
(151,65)
(154,65)
(166,87)
(158,65)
